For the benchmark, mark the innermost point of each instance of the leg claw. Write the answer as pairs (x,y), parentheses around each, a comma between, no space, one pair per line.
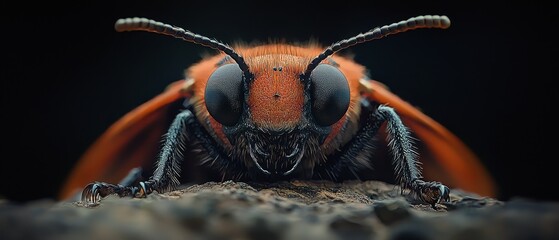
(94,192)
(91,195)
(431,192)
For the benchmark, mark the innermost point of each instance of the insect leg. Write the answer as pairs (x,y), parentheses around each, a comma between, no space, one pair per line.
(404,158)
(167,171)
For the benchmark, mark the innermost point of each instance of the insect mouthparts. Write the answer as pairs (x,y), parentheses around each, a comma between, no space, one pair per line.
(257,155)
(300,156)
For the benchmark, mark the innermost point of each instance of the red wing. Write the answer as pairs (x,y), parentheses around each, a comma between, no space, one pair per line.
(453,163)
(130,142)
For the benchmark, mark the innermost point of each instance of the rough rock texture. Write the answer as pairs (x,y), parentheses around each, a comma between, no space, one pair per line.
(288,210)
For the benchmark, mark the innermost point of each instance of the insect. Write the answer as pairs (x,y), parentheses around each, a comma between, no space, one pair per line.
(276,112)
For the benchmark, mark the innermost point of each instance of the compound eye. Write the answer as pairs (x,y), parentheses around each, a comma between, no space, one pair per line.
(329,94)
(224,94)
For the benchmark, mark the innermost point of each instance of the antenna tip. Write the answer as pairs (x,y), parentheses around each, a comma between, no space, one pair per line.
(445,22)
(122,24)
(132,24)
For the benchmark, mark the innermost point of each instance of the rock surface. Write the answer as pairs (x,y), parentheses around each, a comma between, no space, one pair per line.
(286,210)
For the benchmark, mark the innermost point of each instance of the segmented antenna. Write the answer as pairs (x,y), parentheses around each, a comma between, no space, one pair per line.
(148,25)
(427,21)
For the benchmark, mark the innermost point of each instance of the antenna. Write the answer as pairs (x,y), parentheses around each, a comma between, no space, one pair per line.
(426,21)
(148,25)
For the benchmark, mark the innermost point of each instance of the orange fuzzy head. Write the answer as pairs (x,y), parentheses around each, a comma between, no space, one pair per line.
(273,116)
(277,93)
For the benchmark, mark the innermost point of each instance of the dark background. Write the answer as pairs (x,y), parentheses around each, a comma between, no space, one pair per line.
(67,75)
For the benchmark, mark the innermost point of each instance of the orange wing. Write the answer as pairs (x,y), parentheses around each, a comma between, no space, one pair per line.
(453,162)
(128,143)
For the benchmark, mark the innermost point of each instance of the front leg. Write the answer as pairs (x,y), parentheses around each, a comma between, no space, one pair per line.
(166,175)
(404,158)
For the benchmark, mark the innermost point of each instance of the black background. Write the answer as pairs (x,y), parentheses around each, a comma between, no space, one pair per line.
(67,75)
